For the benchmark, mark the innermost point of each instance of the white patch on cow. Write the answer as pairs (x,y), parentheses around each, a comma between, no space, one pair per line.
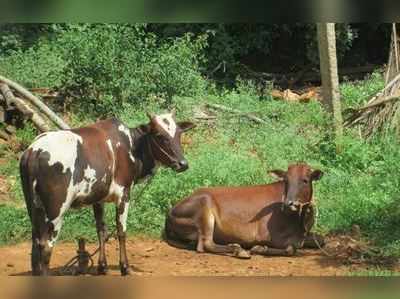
(116,190)
(127,133)
(118,144)
(84,187)
(104,178)
(131,157)
(166,122)
(110,147)
(36,200)
(62,147)
(124,216)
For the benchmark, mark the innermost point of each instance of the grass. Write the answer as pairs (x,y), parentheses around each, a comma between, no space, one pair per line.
(360,185)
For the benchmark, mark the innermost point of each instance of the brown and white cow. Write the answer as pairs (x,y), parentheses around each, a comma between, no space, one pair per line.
(90,166)
(272,219)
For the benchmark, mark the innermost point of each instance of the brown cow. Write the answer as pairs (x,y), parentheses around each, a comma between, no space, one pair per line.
(90,166)
(273,219)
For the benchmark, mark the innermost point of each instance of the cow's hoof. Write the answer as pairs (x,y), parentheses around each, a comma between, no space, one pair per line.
(235,246)
(242,254)
(290,250)
(125,270)
(258,249)
(239,252)
(102,269)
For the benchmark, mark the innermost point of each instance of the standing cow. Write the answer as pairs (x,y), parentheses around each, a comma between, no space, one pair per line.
(272,219)
(90,166)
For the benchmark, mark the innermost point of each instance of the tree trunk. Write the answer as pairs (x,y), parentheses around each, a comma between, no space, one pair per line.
(35,101)
(329,76)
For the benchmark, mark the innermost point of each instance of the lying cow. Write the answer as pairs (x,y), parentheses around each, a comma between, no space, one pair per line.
(273,219)
(90,166)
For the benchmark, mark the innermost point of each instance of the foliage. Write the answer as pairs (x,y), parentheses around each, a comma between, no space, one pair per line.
(100,67)
(357,93)
(39,66)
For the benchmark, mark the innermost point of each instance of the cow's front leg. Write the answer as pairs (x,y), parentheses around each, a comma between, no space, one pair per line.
(98,209)
(265,250)
(314,241)
(121,219)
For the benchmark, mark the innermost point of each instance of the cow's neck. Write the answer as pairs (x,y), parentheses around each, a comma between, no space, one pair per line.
(145,162)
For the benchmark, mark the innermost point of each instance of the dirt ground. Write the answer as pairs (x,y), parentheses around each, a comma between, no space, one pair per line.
(153,257)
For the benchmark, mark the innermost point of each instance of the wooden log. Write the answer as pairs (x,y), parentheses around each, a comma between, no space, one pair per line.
(35,117)
(21,106)
(7,94)
(35,101)
(4,135)
(2,109)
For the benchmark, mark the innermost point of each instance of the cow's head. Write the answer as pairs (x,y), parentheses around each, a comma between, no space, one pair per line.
(298,184)
(165,140)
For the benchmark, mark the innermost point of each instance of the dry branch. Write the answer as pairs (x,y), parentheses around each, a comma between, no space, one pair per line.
(248,115)
(35,101)
(385,89)
(380,102)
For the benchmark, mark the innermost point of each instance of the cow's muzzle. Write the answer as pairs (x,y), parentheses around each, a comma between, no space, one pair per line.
(292,205)
(181,166)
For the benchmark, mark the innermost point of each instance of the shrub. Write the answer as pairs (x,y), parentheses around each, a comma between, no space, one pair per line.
(39,66)
(109,65)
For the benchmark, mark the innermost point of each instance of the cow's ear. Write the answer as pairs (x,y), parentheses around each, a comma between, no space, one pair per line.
(277,173)
(316,175)
(186,125)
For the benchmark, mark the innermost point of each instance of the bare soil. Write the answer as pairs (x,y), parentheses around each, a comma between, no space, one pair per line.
(153,257)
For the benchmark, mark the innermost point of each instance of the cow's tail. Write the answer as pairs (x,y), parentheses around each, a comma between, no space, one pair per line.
(172,238)
(27,181)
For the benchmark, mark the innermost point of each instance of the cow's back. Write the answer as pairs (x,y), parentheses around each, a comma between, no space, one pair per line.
(71,167)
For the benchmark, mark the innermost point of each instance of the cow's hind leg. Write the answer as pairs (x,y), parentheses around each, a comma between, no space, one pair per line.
(98,210)
(206,242)
(43,237)
(121,219)
(268,251)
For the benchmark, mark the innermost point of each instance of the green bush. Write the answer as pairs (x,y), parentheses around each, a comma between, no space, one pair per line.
(109,65)
(39,66)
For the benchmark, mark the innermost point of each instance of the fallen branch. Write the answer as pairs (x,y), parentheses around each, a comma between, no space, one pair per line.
(21,106)
(386,88)
(380,102)
(35,101)
(248,115)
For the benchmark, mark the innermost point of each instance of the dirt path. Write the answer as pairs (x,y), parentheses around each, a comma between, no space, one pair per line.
(150,257)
